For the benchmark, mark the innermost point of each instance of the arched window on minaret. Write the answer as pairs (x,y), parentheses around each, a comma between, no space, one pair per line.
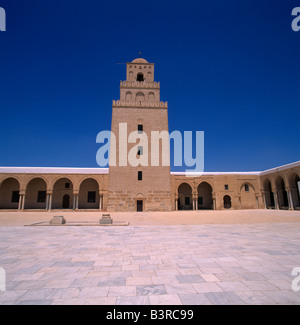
(140,97)
(128,96)
(151,97)
(140,77)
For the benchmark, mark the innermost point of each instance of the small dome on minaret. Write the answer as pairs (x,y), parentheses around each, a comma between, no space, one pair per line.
(140,60)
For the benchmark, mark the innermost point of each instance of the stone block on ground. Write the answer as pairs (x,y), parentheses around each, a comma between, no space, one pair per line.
(58,220)
(106,220)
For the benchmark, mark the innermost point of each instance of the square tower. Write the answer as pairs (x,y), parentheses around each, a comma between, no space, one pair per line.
(142,183)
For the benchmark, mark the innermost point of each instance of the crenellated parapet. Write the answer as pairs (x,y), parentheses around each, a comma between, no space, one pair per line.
(139,84)
(140,104)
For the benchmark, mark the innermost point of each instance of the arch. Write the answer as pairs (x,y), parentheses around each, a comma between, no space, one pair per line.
(294,180)
(248,196)
(130,76)
(269,195)
(185,201)
(205,200)
(282,195)
(227,202)
(242,187)
(151,97)
(9,193)
(89,197)
(140,76)
(39,176)
(62,187)
(36,191)
(140,97)
(128,96)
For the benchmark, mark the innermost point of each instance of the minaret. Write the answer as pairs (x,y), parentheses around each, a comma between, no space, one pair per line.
(144,186)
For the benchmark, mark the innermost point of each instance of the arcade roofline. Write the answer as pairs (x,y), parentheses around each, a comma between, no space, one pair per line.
(68,170)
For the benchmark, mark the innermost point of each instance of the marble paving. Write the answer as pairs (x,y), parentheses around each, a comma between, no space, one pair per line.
(157,265)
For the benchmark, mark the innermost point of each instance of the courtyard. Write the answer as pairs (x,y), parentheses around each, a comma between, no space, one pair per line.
(175,258)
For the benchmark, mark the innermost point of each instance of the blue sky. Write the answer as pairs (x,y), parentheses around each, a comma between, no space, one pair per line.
(228,68)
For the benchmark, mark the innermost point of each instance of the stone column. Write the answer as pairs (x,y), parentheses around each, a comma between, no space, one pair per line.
(276,199)
(47,202)
(49,198)
(263,193)
(194,198)
(77,201)
(176,204)
(295,196)
(290,198)
(20,201)
(100,202)
(23,202)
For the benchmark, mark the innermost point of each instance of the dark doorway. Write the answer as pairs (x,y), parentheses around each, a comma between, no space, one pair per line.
(140,77)
(185,197)
(227,202)
(139,205)
(66,201)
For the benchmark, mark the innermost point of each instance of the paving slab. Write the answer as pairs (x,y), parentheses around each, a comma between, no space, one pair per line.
(246,263)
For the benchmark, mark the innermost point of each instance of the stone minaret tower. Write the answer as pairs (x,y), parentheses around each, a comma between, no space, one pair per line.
(143,187)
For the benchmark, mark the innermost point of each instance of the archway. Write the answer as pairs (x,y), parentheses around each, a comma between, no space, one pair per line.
(282,193)
(36,191)
(205,200)
(89,197)
(248,197)
(185,197)
(227,202)
(269,195)
(9,194)
(62,194)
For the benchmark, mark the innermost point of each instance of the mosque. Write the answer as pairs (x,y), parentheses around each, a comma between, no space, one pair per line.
(124,187)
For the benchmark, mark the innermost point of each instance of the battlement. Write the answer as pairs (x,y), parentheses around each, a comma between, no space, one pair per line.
(139,84)
(118,103)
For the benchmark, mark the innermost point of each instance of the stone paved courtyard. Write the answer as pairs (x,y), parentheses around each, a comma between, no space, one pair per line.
(165,264)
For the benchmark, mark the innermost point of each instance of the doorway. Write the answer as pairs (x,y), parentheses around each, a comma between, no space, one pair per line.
(227,201)
(66,201)
(139,205)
